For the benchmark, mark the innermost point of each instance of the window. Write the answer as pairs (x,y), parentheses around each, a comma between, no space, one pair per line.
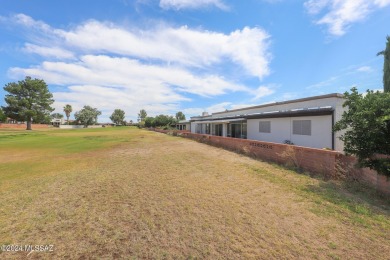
(265,126)
(302,127)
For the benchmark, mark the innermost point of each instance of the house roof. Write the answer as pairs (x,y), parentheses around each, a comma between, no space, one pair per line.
(314,111)
(219,120)
(183,122)
(337,95)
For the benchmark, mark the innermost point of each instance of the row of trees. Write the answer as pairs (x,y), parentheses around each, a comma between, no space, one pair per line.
(87,114)
(30,100)
(143,114)
(160,120)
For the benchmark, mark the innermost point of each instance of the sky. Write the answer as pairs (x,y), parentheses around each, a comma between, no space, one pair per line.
(166,56)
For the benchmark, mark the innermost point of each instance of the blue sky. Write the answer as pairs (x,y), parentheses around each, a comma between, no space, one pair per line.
(166,56)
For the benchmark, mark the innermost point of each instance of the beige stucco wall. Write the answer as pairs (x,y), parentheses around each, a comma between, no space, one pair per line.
(281,130)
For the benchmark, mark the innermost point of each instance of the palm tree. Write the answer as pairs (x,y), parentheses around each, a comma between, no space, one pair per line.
(386,66)
(67,110)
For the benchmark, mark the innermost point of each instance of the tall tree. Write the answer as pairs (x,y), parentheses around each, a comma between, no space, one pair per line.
(68,109)
(386,66)
(28,100)
(118,116)
(180,116)
(366,126)
(87,116)
(3,117)
(142,115)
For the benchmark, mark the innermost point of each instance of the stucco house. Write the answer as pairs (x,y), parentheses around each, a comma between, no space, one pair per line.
(57,122)
(13,121)
(305,122)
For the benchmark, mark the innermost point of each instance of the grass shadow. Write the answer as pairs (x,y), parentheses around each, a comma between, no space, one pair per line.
(355,202)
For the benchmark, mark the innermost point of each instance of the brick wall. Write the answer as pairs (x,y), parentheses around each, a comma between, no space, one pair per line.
(331,164)
(310,159)
(348,166)
(22,126)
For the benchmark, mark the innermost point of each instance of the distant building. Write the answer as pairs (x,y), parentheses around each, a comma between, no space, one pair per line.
(304,122)
(13,121)
(57,122)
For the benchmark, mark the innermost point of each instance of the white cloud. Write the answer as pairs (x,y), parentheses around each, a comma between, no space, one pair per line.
(118,72)
(339,15)
(219,107)
(322,84)
(315,6)
(262,91)
(191,4)
(48,52)
(238,106)
(108,82)
(382,3)
(364,69)
(109,66)
(247,48)
(27,21)
(288,96)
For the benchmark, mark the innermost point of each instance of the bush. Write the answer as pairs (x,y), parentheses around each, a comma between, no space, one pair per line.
(367,129)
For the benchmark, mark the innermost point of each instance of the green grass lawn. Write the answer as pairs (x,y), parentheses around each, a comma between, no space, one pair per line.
(128,193)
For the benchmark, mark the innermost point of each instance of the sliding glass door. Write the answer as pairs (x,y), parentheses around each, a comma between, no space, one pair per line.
(237,129)
(217,129)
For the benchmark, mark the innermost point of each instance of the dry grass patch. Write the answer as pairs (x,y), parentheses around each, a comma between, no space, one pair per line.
(151,196)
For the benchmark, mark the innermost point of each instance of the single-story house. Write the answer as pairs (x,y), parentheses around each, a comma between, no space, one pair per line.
(13,121)
(304,122)
(57,122)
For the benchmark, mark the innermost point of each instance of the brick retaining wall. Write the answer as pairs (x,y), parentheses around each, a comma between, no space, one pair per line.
(331,164)
(310,159)
(23,126)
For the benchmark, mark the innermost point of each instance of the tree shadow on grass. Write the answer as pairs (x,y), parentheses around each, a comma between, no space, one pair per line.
(362,203)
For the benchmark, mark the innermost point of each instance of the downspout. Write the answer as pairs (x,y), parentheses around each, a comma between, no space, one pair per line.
(333,135)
